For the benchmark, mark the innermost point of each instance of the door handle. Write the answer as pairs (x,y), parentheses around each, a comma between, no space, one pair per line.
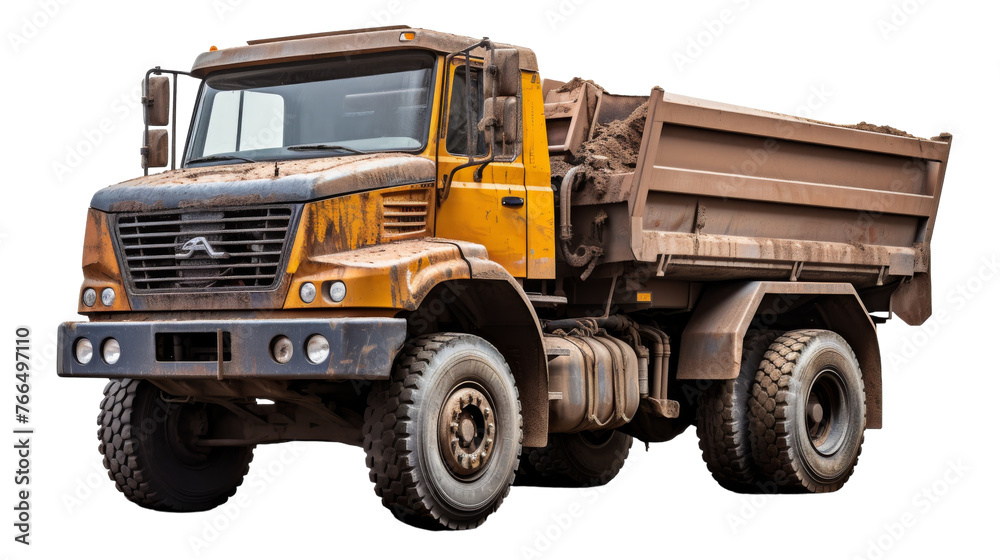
(512,202)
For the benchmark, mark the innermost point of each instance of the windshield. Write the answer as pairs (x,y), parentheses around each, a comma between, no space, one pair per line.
(369,103)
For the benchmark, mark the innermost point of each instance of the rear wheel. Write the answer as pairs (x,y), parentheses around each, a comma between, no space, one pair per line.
(723,421)
(577,460)
(442,439)
(808,412)
(150,450)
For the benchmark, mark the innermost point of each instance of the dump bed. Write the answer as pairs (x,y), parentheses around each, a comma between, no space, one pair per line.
(721,192)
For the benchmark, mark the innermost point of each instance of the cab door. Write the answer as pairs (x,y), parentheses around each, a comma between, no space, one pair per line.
(491,212)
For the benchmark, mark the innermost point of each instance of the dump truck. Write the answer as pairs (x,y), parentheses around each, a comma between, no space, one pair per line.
(408,241)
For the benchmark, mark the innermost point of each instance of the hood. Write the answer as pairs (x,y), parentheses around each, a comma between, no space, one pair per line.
(264,182)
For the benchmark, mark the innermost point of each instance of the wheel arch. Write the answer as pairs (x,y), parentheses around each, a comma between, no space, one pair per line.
(497,310)
(430,281)
(712,343)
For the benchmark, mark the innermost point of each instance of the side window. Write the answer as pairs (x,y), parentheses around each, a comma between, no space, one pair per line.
(249,120)
(458,122)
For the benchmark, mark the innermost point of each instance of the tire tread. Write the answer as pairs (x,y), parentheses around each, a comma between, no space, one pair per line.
(724,439)
(119,444)
(391,436)
(770,436)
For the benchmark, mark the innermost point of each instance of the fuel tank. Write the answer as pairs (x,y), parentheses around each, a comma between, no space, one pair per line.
(593,383)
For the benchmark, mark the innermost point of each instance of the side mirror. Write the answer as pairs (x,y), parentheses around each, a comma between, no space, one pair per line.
(501,124)
(156,152)
(156,111)
(156,102)
(502,85)
(503,73)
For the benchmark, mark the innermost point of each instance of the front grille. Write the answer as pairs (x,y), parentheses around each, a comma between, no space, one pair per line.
(205,250)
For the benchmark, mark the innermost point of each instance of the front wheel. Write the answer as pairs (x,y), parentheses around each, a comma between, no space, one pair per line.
(150,449)
(442,438)
(808,412)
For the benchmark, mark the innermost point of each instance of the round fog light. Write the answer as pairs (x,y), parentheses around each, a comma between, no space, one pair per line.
(338,291)
(111,351)
(89,297)
(307,292)
(107,297)
(84,351)
(317,349)
(282,349)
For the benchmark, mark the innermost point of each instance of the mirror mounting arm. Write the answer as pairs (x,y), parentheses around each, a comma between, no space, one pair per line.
(470,140)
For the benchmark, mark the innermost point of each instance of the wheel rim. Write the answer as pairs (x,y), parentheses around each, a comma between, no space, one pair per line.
(826,413)
(183,426)
(466,431)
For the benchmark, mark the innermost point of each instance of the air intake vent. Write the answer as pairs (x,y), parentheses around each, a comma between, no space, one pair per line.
(403,218)
(205,250)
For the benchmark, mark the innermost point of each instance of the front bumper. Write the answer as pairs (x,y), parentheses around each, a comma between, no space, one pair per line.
(360,348)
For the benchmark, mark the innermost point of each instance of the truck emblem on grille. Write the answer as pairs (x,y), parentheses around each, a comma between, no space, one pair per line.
(199,244)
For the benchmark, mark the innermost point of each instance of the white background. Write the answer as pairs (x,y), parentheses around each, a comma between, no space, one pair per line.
(70,69)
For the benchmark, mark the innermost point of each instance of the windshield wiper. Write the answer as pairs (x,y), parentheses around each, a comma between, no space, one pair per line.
(317,147)
(207,159)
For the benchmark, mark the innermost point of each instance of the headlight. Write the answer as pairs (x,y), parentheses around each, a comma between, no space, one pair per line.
(338,291)
(84,351)
(89,297)
(107,297)
(282,349)
(111,351)
(317,349)
(307,292)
